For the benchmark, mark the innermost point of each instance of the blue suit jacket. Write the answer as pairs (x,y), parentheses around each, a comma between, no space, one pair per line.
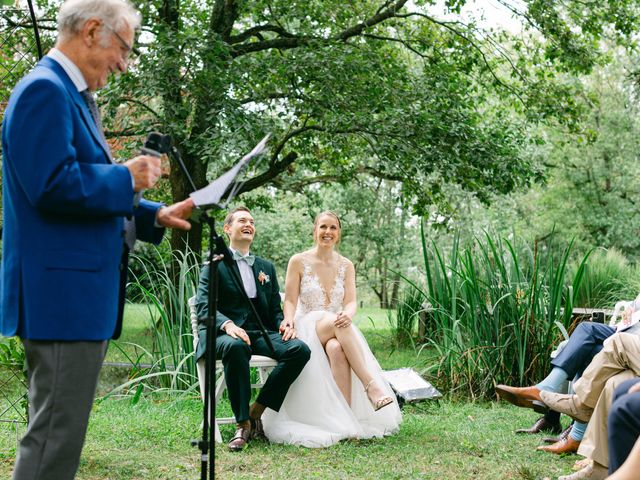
(64,205)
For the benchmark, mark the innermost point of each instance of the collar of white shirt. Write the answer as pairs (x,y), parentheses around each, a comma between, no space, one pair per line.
(70,68)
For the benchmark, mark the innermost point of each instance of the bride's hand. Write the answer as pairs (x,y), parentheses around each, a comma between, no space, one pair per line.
(288,331)
(342,320)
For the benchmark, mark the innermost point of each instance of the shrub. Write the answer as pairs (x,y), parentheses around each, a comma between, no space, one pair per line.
(608,278)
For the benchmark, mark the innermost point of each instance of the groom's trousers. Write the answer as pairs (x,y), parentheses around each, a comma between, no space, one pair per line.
(291,356)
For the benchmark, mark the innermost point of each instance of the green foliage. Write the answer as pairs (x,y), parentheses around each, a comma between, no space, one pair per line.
(495,304)
(608,278)
(172,354)
(408,311)
(12,353)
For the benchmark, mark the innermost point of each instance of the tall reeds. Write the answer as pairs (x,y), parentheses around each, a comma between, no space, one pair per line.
(165,292)
(495,304)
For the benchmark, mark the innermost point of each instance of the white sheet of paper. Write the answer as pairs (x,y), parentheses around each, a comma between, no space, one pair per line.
(212,193)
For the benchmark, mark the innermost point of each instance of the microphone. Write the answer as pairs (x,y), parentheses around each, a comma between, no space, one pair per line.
(155,146)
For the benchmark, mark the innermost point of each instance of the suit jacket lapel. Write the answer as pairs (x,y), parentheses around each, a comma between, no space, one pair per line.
(256,271)
(79,102)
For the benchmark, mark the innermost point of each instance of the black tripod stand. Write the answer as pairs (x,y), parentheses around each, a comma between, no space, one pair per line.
(224,187)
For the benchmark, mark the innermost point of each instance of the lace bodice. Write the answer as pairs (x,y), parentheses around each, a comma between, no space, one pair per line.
(312,294)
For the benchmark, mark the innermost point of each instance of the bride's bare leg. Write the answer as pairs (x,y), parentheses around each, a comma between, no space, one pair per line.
(326,330)
(340,367)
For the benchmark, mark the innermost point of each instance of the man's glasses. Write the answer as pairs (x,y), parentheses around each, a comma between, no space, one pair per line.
(128,48)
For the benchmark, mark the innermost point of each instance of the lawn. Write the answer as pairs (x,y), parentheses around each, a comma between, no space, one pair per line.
(437,440)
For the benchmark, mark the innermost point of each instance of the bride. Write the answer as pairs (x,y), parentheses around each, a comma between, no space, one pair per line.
(340,393)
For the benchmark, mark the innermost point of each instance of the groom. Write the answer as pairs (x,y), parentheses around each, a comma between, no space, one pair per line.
(238,334)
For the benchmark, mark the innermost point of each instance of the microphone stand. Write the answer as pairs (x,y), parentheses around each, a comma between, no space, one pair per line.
(207,442)
(218,251)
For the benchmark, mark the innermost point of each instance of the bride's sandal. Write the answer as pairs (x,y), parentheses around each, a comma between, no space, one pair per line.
(381,402)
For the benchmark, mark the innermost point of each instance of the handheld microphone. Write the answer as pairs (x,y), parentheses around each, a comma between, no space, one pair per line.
(155,145)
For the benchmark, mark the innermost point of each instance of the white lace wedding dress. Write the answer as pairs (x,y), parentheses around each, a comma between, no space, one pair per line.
(314,412)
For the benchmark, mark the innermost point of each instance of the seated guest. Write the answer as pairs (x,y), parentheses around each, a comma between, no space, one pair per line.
(594,446)
(585,342)
(624,429)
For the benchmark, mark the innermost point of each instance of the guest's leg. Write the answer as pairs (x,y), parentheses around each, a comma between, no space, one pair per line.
(235,355)
(629,469)
(624,424)
(340,367)
(620,353)
(62,383)
(292,356)
(584,343)
(594,444)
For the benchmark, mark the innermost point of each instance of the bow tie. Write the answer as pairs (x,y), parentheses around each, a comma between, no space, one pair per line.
(250,258)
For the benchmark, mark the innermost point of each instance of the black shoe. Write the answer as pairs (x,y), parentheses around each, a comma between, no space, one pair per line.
(563,435)
(542,425)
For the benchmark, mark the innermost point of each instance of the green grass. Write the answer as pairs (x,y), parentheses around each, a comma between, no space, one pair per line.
(437,440)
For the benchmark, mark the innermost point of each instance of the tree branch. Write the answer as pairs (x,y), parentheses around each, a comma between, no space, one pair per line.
(389,10)
(255,32)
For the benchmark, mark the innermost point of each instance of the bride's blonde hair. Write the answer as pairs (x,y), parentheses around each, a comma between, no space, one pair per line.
(330,214)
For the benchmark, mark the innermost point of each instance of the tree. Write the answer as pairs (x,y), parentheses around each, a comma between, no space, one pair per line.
(376,87)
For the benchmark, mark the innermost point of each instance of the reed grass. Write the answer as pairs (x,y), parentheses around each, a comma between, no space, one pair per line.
(164,287)
(496,308)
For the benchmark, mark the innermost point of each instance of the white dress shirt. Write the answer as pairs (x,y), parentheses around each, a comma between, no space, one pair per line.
(70,68)
(248,280)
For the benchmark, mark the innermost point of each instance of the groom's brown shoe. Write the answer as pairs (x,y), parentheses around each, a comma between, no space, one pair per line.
(567,404)
(240,440)
(519,396)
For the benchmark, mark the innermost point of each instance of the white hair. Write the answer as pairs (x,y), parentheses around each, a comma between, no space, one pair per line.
(115,13)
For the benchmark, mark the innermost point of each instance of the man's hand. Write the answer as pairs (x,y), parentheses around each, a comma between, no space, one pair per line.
(342,320)
(174,215)
(234,331)
(634,388)
(145,171)
(288,331)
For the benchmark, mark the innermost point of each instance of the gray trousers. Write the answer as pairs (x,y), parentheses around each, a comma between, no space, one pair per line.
(62,384)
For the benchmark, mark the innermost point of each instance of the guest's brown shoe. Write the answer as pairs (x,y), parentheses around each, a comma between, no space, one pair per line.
(519,396)
(567,445)
(257,430)
(564,434)
(542,425)
(567,404)
(240,440)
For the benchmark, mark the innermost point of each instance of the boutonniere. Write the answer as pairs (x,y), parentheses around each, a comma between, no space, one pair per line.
(263,278)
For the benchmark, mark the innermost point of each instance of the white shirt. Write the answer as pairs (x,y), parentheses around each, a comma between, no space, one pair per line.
(70,68)
(248,279)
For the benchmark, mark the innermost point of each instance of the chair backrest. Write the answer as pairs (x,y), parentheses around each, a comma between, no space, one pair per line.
(194,320)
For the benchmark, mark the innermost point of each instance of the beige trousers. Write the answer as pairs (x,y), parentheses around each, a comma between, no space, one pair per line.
(595,443)
(621,352)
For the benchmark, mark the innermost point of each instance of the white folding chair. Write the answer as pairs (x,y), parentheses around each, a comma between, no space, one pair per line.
(262,363)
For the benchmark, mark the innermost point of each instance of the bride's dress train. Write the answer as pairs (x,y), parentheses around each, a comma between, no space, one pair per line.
(314,412)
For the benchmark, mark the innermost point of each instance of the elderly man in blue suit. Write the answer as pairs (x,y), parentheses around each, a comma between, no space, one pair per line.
(66,233)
